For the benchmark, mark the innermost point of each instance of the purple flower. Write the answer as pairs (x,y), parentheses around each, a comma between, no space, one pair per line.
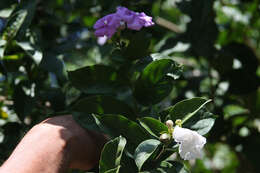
(109,24)
(145,20)
(126,15)
(134,20)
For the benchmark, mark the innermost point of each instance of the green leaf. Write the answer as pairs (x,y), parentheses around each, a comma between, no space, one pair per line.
(111,155)
(87,121)
(234,110)
(6,12)
(187,108)
(115,170)
(171,166)
(138,46)
(193,115)
(120,125)
(31,48)
(156,70)
(153,126)
(52,63)
(103,105)
(144,151)
(156,81)
(2,48)
(128,164)
(14,24)
(23,104)
(201,122)
(32,51)
(179,167)
(97,79)
(20,19)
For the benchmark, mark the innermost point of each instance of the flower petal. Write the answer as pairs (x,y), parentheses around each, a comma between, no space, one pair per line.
(191,143)
(108,25)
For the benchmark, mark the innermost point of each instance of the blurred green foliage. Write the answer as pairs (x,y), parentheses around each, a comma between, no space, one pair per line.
(43,44)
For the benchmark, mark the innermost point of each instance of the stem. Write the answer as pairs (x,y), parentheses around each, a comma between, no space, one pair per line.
(163,149)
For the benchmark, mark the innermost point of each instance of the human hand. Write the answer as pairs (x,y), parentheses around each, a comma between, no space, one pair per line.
(55,145)
(84,146)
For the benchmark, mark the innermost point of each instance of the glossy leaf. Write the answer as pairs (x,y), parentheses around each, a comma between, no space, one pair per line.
(187,108)
(115,170)
(153,126)
(20,19)
(171,166)
(2,48)
(111,155)
(144,151)
(202,122)
(103,105)
(155,82)
(128,164)
(31,48)
(120,125)
(23,104)
(51,63)
(97,79)
(87,121)
(138,46)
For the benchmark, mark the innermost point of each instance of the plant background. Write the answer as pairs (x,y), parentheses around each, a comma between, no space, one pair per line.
(217,41)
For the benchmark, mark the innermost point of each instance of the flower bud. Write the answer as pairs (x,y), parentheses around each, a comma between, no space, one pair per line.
(178,122)
(169,124)
(165,137)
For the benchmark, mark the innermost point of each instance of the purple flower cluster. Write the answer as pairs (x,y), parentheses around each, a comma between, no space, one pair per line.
(108,25)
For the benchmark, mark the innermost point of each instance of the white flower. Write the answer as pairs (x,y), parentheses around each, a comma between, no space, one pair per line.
(190,143)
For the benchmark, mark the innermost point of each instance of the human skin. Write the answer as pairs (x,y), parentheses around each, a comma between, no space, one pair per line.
(54,146)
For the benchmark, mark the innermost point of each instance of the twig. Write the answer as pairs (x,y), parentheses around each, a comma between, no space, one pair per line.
(167,24)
